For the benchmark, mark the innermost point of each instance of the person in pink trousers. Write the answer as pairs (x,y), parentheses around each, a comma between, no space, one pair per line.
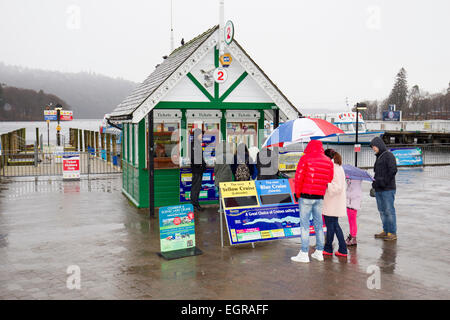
(354,191)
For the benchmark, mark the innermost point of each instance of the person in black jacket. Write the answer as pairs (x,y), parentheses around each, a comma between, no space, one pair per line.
(242,156)
(385,169)
(198,166)
(267,164)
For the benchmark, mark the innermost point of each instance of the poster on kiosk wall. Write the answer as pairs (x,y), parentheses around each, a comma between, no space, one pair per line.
(71,166)
(208,190)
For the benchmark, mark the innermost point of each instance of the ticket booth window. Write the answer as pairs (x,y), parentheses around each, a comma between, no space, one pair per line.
(211,135)
(242,132)
(166,144)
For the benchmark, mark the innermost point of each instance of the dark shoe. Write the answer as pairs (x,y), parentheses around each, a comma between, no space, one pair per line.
(198,208)
(351,241)
(381,235)
(390,237)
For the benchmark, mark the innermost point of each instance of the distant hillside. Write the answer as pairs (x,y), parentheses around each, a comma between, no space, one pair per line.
(90,95)
(18,104)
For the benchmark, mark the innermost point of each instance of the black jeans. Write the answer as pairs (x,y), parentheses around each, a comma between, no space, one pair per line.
(333,228)
(196,187)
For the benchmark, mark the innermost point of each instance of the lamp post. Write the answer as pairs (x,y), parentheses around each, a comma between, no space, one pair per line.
(359,106)
(58,127)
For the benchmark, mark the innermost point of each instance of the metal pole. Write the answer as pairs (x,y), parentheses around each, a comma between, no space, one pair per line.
(58,141)
(221,218)
(356,137)
(151,166)
(276,118)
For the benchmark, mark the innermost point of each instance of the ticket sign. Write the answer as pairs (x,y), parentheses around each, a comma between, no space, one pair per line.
(71,166)
(177,231)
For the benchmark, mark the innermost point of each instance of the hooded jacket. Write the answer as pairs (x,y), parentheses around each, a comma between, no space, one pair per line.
(385,167)
(314,171)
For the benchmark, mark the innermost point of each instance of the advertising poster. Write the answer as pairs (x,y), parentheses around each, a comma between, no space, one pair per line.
(208,190)
(274,192)
(261,210)
(239,194)
(408,156)
(71,166)
(66,115)
(263,223)
(391,115)
(176,227)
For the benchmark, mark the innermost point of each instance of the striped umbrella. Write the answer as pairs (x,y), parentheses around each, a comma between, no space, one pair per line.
(301,130)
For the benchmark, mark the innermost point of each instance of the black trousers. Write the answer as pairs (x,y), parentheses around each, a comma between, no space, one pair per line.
(196,187)
(333,228)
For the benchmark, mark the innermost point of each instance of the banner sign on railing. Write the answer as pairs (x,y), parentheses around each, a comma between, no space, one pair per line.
(408,156)
(260,210)
(71,166)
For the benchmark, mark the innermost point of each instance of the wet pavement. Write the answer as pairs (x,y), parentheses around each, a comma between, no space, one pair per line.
(48,225)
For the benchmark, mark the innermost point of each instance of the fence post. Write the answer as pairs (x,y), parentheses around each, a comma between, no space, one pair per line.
(113,147)
(96,144)
(108,147)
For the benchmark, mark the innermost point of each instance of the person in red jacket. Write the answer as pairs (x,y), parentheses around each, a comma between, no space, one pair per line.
(314,172)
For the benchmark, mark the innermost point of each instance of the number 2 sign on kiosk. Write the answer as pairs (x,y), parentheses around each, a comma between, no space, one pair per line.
(220,75)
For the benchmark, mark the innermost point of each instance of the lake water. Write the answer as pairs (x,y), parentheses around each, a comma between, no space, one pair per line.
(30,126)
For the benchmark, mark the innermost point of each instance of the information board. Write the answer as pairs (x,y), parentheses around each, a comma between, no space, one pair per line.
(208,190)
(260,210)
(176,227)
(50,115)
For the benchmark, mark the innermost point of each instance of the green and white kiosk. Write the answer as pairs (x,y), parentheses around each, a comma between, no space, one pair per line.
(228,96)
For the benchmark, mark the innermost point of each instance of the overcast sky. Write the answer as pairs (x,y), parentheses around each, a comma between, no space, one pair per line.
(317,52)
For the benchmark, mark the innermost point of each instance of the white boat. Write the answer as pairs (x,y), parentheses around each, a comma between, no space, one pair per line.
(346,121)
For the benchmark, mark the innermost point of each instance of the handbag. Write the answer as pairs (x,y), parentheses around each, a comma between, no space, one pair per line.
(372,192)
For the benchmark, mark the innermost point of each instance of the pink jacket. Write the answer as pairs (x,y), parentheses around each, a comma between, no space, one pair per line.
(335,199)
(354,194)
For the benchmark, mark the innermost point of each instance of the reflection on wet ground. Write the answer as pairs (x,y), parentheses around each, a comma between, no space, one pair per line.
(48,225)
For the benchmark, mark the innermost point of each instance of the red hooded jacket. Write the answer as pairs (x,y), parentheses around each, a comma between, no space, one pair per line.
(314,171)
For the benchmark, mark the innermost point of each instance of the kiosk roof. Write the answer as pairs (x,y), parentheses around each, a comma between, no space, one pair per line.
(150,88)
